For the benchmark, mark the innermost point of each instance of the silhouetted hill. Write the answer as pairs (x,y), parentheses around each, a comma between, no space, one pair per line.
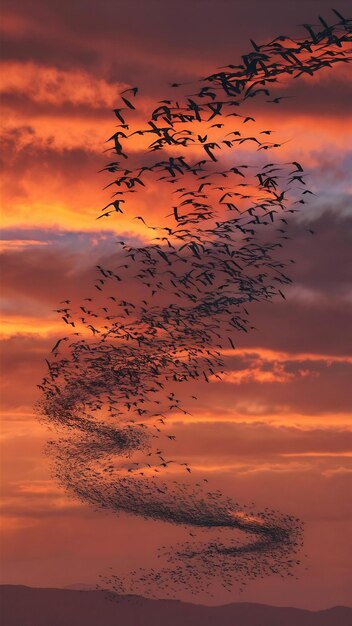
(26,606)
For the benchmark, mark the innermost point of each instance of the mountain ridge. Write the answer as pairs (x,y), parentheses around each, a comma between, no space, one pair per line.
(36,606)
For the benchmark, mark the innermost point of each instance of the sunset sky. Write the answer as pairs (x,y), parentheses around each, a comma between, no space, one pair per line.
(277,429)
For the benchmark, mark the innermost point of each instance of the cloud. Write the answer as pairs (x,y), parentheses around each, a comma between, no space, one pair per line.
(319,389)
(141,43)
(57,87)
(36,277)
(256,442)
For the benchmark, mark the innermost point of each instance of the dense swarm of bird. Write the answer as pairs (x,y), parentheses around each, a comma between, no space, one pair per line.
(114,380)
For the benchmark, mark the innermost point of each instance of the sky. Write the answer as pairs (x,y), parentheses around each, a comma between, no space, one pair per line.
(277,430)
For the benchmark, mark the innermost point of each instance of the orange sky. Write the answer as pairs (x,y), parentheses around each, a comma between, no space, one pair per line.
(277,429)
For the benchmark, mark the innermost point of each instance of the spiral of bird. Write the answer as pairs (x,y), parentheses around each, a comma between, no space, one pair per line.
(163,317)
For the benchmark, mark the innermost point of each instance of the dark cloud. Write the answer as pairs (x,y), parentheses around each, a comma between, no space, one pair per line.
(65,269)
(328,98)
(226,442)
(323,259)
(313,327)
(322,389)
(129,39)
(31,109)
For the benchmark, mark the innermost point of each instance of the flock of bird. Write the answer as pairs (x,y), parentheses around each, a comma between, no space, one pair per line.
(168,312)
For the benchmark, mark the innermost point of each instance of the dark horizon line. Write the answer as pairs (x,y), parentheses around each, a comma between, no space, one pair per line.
(71,588)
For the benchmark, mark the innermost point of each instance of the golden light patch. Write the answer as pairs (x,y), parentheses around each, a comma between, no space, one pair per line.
(28,325)
(266,354)
(276,375)
(252,413)
(19,244)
